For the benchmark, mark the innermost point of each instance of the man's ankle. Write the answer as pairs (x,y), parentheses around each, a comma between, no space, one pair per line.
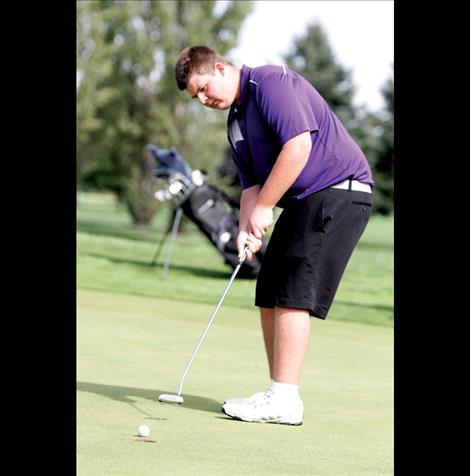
(286,391)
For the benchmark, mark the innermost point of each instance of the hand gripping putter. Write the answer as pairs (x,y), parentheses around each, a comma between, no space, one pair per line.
(178,398)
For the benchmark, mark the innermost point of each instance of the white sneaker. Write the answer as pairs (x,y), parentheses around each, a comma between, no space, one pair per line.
(236,400)
(267,409)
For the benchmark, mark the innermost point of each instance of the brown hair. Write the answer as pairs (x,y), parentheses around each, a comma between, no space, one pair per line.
(197,59)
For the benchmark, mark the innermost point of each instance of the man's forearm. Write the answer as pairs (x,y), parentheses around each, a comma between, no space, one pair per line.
(289,164)
(248,200)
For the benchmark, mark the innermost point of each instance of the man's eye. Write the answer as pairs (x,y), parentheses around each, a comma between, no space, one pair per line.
(200,90)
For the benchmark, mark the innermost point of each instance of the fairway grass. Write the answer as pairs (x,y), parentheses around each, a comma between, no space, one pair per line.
(132,348)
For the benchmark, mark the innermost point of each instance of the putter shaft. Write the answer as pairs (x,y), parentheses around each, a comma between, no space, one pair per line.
(235,271)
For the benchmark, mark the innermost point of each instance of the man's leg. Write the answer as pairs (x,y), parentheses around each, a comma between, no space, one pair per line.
(286,334)
(267,326)
(290,344)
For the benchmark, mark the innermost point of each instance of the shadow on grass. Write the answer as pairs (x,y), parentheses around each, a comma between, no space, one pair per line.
(379,307)
(125,394)
(203,272)
(376,246)
(118,230)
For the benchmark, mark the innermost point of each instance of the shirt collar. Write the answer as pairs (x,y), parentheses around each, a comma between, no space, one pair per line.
(244,78)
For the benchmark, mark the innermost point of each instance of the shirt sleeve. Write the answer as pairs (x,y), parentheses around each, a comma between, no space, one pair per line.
(285,106)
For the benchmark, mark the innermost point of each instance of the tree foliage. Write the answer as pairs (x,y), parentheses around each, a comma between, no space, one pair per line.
(127,96)
(384,159)
(312,56)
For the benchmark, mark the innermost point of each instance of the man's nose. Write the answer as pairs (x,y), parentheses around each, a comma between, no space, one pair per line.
(202,98)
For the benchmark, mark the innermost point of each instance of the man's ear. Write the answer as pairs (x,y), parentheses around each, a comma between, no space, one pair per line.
(220,67)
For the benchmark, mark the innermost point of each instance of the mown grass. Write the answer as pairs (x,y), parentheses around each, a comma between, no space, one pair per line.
(136,331)
(114,256)
(133,348)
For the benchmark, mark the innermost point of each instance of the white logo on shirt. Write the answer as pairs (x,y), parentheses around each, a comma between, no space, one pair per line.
(235,133)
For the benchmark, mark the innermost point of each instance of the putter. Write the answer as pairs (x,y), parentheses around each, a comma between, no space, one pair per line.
(178,398)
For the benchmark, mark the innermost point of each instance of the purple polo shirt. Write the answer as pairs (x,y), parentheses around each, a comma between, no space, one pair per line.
(277,104)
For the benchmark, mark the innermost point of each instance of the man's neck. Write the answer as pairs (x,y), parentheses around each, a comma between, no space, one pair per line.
(237,72)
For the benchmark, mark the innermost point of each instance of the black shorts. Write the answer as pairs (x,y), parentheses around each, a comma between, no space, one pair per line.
(309,249)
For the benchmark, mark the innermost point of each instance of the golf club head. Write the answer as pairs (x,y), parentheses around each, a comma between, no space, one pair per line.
(170,398)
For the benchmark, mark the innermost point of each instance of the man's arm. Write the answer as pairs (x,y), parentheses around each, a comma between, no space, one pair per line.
(289,164)
(247,203)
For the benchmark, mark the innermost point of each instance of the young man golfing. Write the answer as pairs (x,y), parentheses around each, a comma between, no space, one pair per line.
(292,152)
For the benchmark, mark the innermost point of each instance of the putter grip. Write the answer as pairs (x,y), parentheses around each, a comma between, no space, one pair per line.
(243,256)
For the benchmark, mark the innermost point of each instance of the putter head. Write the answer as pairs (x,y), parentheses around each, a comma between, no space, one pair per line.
(170,398)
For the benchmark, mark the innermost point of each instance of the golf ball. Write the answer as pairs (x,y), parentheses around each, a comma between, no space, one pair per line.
(143,430)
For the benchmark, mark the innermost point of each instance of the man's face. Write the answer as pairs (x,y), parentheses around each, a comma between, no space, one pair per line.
(213,89)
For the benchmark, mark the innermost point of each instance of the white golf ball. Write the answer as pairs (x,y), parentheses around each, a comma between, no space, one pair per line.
(143,430)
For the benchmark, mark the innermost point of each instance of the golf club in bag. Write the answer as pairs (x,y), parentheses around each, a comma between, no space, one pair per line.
(214,212)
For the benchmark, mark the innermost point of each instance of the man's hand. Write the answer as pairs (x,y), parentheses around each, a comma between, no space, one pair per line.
(260,219)
(247,240)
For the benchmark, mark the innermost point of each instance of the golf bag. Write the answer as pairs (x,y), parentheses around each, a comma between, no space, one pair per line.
(214,212)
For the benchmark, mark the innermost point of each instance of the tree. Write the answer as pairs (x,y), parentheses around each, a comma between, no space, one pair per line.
(140,41)
(94,66)
(114,66)
(384,162)
(312,56)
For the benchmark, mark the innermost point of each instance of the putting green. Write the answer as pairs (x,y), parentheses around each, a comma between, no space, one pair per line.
(130,349)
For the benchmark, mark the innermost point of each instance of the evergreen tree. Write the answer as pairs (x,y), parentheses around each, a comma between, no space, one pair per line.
(312,57)
(384,165)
